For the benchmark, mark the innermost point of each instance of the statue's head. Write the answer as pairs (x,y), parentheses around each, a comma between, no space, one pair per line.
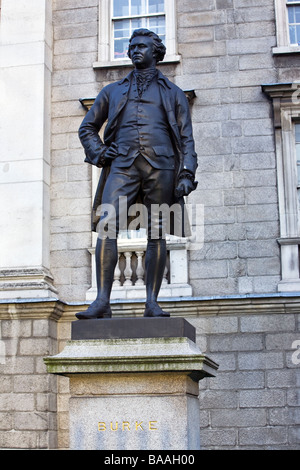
(159,48)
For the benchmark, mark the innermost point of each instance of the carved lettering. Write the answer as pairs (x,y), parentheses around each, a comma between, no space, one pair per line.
(101,426)
(127,426)
(116,426)
(139,426)
(152,425)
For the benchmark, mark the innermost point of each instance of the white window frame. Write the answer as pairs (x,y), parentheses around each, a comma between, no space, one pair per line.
(105,44)
(282,28)
(286,106)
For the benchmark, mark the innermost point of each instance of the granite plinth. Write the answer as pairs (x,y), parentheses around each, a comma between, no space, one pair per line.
(122,328)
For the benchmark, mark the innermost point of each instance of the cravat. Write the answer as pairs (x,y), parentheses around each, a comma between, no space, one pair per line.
(143,79)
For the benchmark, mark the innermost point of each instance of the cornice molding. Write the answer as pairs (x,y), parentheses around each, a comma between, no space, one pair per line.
(87,103)
(35,309)
(283,95)
(184,307)
(275,90)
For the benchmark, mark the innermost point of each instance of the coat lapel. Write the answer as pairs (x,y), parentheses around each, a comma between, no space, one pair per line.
(167,104)
(122,91)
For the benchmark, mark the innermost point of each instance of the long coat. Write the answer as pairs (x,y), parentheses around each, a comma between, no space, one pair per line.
(108,106)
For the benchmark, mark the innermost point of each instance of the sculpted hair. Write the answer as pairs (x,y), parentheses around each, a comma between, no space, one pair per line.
(159,47)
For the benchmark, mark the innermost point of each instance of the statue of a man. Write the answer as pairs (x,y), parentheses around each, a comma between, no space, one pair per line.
(148,153)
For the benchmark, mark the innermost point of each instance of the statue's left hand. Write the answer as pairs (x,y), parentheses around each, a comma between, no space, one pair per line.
(184,187)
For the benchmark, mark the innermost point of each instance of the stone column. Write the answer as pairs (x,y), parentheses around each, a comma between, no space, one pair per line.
(25,97)
(134,384)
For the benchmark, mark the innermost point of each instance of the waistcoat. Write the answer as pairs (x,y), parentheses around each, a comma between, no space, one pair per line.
(143,129)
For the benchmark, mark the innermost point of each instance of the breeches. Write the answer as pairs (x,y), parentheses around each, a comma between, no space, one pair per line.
(153,187)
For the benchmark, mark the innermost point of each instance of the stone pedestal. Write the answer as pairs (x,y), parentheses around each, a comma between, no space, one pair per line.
(134,384)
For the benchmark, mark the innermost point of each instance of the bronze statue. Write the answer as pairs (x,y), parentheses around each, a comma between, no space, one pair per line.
(148,153)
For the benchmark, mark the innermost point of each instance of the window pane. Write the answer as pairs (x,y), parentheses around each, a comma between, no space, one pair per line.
(138,7)
(121,28)
(298,174)
(157,25)
(297,133)
(297,14)
(121,8)
(297,33)
(156,6)
(136,24)
(291,15)
(293,39)
(121,47)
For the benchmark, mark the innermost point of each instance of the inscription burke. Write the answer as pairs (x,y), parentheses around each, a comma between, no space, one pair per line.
(127,426)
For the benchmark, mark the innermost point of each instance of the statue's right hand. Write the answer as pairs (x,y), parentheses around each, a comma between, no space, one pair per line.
(112,152)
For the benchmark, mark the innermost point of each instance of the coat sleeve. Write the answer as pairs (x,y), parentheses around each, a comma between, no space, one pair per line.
(89,130)
(184,123)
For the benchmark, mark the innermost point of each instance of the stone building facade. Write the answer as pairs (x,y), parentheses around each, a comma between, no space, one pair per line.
(239,63)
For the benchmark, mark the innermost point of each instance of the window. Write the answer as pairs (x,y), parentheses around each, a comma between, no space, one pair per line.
(119,18)
(286,105)
(293,10)
(287,26)
(129,15)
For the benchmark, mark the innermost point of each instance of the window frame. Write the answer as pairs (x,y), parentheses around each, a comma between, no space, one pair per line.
(105,36)
(282,28)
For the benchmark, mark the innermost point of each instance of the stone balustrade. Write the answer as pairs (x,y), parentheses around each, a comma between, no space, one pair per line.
(129,276)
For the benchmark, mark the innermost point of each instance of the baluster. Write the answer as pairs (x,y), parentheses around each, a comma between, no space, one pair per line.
(139,269)
(165,280)
(128,270)
(117,273)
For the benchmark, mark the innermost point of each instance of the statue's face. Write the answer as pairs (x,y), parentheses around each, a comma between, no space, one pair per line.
(141,52)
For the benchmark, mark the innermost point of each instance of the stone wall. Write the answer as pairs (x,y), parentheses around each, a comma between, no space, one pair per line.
(226,56)
(75,50)
(252,403)
(226,48)
(28,394)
